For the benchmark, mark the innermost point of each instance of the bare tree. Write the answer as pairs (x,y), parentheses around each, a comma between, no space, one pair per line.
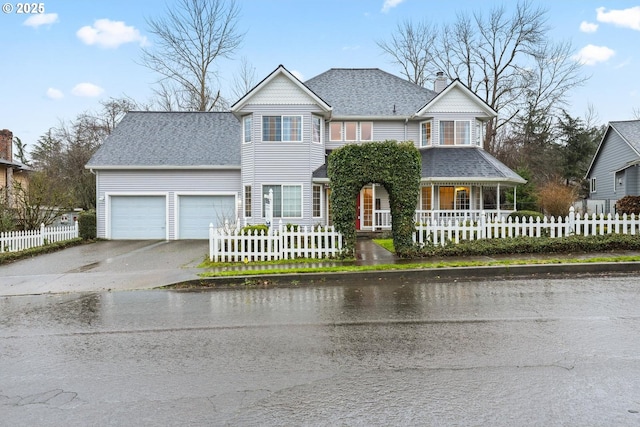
(507,59)
(187,44)
(244,80)
(412,48)
(61,154)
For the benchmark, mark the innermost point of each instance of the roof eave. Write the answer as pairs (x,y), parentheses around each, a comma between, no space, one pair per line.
(494,180)
(162,167)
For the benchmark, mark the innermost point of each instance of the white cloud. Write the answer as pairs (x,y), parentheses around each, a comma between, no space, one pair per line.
(41,19)
(390,4)
(626,18)
(298,75)
(54,93)
(87,90)
(591,55)
(110,34)
(588,27)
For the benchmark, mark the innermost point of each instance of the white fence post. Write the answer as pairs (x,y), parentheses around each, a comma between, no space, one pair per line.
(42,239)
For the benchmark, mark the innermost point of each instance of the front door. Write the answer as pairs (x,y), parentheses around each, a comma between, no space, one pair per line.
(364,209)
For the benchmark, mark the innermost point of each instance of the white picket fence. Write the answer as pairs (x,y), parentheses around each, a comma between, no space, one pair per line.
(14,241)
(441,232)
(236,245)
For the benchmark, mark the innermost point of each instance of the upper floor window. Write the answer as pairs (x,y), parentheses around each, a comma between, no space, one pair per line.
(592,187)
(316,129)
(481,129)
(455,132)
(351,131)
(366,131)
(425,133)
(246,128)
(282,128)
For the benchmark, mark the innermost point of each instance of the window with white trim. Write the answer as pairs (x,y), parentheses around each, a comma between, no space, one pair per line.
(456,132)
(351,131)
(282,128)
(246,128)
(287,200)
(592,187)
(425,133)
(481,129)
(366,131)
(335,131)
(316,129)
(247,201)
(317,201)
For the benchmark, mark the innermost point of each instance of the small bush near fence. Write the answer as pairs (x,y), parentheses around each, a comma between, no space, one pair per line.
(525,215)
(628,205)
(87,225)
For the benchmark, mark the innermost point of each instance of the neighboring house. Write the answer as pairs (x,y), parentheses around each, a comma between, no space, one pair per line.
(614,171)
(168,175)
(11,171)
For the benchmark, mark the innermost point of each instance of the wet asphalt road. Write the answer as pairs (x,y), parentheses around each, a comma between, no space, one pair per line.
(543,352)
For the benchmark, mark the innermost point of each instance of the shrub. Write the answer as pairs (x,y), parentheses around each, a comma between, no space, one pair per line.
(628,205)
(556,199)
(254,230)
(525,215)
(87,225)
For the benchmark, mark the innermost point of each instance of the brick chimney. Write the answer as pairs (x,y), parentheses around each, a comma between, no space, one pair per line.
(440,82)
(6,142)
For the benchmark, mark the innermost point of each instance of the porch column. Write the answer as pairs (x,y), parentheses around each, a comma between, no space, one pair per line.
(433,201)
(498,200)
(515,200)
(373,206)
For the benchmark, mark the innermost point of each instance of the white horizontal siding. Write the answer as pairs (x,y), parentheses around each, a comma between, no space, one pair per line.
(456,101)
(281,90)
(170,182)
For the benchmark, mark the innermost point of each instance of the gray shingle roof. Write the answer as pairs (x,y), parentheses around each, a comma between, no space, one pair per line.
(456,162)
(464,162)
(181,139)
(368,92)
(630,130)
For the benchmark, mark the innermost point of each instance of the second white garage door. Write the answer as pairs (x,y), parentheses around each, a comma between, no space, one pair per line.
(197,212)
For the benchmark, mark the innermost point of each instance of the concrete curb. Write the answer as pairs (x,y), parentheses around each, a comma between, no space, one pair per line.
(436,274)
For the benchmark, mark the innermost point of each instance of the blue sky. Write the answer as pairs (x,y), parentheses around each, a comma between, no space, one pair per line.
(62,62)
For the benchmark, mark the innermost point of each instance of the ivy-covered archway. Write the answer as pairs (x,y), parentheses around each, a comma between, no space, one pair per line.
(395,166)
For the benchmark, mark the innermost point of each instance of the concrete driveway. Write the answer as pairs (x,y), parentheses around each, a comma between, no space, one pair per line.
(105,265)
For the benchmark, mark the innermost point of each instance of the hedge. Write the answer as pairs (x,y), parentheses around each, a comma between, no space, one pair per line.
(395,166)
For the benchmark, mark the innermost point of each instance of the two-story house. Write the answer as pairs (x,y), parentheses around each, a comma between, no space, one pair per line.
(169,175)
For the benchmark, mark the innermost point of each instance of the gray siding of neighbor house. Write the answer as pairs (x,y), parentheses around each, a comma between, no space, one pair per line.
(633,180)
(272,163)
(613,155)
(167,182)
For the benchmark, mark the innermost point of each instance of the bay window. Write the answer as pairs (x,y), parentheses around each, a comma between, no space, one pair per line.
(287,200)
(456,132)
(425,133)
(282,128)
(246,128)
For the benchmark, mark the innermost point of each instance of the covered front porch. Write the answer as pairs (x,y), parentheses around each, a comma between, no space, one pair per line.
(438,201)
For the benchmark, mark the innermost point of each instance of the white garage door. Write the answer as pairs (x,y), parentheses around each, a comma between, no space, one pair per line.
(197,212)
(138,217)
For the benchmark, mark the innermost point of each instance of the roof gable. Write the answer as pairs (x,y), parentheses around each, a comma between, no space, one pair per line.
(171,139)
(280,87)
(369,92)
(455,98)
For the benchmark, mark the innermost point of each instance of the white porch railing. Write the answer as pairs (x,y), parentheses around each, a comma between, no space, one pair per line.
(236,245)
(13,241)
(382,218)
(442,231)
